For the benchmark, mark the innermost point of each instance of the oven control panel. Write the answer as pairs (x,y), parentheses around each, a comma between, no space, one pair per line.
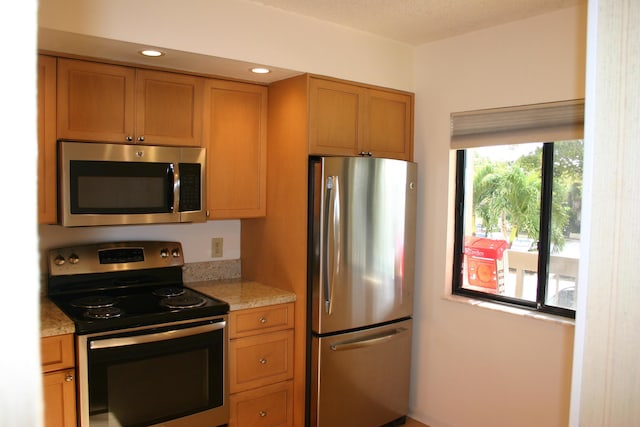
(114,256)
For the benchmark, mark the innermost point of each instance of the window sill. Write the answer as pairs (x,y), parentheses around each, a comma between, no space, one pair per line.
(522,312)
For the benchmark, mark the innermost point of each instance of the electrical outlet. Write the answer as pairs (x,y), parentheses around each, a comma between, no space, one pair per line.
(216,247)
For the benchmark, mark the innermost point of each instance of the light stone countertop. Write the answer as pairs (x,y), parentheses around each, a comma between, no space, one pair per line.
(238,293)
(242,294)
(52,320)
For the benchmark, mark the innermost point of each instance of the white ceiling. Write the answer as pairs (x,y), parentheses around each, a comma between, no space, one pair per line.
(419,21)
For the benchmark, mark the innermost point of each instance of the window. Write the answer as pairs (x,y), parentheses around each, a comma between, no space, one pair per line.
(517,231)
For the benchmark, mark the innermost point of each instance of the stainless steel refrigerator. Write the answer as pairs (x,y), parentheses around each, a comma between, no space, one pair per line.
(362,215)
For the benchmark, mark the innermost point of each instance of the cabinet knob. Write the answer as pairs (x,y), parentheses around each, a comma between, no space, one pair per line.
(68,378)
(128,138)
(141,138)
(263,320)
(263,361)
(263,413)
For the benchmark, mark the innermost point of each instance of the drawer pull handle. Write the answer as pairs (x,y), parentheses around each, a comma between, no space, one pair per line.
(263,320)
(263,413)
(263,361)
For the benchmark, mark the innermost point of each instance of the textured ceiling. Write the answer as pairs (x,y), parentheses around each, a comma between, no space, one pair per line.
(419,21)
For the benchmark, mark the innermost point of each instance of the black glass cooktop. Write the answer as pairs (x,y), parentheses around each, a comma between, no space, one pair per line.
(126,308)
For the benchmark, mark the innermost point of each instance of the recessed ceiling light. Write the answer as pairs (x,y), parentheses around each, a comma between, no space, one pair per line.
(151,52)
(260,70)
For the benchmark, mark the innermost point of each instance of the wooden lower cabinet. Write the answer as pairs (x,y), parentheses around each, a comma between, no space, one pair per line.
(265,406)
(59,383)
(261,367)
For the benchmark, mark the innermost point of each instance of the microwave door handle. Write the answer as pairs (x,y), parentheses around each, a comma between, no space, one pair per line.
(172,189)
(155,337)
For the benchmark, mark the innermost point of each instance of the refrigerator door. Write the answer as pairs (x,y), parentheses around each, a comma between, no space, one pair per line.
(365,377)
(362,241)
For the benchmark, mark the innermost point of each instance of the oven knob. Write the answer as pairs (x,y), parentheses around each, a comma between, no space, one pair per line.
(164,252)
(59,260)
(175,253)
(73,259)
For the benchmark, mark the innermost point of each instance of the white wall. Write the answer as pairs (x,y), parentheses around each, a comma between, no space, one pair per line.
(473,366)
(240,30)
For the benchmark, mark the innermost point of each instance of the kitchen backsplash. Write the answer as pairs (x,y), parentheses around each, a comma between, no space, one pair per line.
(211,270)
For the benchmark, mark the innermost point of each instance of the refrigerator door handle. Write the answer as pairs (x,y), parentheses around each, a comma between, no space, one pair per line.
(368,341)
(331,229)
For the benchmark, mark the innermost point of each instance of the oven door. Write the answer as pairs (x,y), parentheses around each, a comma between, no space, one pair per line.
(166,375)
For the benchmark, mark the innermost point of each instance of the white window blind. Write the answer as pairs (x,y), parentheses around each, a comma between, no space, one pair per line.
(547,122)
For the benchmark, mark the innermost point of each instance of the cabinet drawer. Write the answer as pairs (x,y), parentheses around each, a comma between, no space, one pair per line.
(260,360)
(57,352)
(258,320)
(270,406)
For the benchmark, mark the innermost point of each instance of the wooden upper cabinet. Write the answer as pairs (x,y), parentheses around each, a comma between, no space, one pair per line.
(235,135)
(348,119)
(389,124)
(168,108)
(47,189)
(113,103)
(335,117)
(95,101)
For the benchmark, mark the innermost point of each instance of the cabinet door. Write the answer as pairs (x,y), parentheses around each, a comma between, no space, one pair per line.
(95,101)
(235,135)
(335,117)
(59,399)
(389,124)
(168,108)
(47,188)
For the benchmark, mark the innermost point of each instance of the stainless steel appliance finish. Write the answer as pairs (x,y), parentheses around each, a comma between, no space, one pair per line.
(365,376)
(118,184)
(149,350)
(361,263)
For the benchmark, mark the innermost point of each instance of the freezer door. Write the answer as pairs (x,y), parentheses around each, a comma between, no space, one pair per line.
(363,216)
(361,378)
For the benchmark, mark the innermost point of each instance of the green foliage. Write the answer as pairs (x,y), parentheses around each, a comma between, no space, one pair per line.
(507,194)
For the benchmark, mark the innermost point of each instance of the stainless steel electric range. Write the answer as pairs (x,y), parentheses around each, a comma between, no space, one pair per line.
(149,350)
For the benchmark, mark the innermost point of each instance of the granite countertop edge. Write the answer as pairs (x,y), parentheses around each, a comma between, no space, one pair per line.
(240,294)
(243,294)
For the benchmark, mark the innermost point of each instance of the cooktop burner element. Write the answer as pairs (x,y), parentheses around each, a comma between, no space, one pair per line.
(182,301)
(112,286)
(93,301)
(168,292)
(103,313)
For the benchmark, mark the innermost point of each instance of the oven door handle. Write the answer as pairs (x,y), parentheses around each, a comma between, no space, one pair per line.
(155,337)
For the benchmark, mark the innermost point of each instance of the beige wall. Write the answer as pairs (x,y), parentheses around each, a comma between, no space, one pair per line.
(473,366)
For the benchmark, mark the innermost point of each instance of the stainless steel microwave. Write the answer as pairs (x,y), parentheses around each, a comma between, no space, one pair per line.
(117,184)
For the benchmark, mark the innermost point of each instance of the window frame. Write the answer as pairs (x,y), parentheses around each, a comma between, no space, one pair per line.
(546,194)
